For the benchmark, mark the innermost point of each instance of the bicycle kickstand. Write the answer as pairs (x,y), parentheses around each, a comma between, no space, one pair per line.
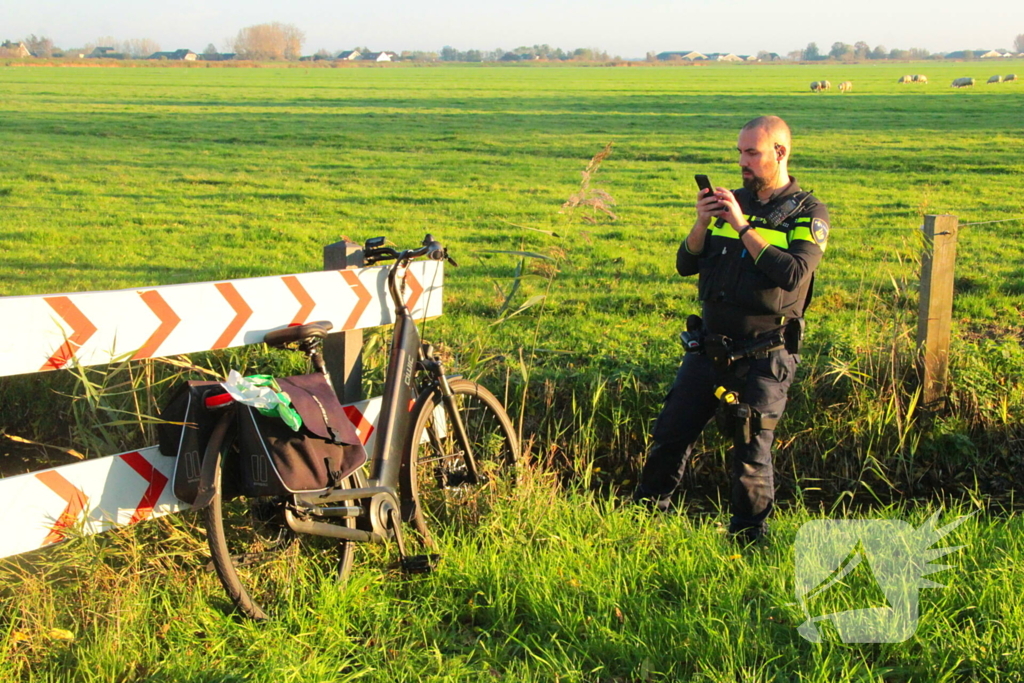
(410,564)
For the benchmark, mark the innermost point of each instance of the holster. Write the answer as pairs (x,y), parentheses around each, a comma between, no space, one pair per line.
(793,334)
(718,348)
(742,422)
(693,336)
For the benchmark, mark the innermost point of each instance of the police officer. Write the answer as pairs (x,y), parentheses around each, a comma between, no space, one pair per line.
(754,251)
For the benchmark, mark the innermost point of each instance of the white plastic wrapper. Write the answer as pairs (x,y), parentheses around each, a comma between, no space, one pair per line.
(262,393)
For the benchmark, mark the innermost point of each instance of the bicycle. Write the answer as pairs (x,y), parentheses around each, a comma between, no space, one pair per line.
(456,439)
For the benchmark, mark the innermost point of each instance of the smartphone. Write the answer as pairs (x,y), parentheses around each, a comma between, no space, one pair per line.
(703,183)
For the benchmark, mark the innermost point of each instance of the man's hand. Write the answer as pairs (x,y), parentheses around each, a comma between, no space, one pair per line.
(707,208)
(729,209)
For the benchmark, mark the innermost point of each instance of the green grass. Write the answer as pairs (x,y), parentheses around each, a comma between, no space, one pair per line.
(553,585)
(121,177)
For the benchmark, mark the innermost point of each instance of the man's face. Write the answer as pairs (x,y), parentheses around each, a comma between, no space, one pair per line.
(758,162)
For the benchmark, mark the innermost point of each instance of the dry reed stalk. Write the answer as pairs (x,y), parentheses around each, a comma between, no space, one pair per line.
(597,200)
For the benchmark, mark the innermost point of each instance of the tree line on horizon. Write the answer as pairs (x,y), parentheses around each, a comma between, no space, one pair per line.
(277,41)
(861,51)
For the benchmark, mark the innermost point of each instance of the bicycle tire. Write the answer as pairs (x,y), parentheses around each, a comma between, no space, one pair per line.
(255,554)
(434,489)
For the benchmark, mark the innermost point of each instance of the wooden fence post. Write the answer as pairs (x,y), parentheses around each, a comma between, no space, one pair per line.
(935,310)
(343,351)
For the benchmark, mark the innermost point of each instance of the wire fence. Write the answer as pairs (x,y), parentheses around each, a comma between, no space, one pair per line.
(921,227)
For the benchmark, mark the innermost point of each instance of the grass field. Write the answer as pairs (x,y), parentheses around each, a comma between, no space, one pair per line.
(130,177)
(121,177)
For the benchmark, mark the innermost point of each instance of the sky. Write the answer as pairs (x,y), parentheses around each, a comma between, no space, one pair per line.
(626,29)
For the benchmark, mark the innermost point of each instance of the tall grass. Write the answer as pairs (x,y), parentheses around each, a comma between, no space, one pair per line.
(555,583)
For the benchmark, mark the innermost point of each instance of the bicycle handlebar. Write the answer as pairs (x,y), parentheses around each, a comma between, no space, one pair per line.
(434,249)
(375,252)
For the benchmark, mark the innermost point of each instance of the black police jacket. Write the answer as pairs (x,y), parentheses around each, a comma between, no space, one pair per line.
(744,294)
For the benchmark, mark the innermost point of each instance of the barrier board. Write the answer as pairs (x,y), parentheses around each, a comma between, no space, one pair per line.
(41,508)
(50,332)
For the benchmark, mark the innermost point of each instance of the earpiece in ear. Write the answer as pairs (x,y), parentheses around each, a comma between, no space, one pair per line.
(779,152)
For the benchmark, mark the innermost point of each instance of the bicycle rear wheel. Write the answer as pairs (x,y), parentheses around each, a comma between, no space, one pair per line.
(435,477)
(262,563)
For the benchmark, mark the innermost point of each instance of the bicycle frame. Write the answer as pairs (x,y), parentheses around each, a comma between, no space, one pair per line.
(408,356)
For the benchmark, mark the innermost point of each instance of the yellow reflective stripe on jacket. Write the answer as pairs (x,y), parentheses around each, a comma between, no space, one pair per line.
(802,231)
(772,237)
(776,238)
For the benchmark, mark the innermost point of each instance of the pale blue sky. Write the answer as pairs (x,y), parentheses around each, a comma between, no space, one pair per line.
(621,28)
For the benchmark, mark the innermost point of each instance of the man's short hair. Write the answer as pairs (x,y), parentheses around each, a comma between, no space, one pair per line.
(774,127)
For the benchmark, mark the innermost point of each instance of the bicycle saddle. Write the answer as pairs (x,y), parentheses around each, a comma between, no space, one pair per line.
(287,335)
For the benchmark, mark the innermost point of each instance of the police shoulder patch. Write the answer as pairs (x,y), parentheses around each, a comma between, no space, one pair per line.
(819,230)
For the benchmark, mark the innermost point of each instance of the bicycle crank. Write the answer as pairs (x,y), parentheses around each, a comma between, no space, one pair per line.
(410,564)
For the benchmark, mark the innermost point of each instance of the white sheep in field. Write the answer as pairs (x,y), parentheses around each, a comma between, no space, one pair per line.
(995,79)
(920,78)
(845,86)
(1008,78)
(906,79)
(963,83)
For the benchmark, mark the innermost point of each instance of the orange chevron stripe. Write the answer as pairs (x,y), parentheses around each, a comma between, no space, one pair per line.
(74,497)
(168,321)
(305,300)
(415,288)
(364,298)
(242,313)
(82,329)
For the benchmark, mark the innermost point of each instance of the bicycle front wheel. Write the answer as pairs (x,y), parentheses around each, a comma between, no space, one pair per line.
(436,481)
(260,561)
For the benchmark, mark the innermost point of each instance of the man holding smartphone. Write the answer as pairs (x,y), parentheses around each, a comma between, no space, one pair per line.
(755,251)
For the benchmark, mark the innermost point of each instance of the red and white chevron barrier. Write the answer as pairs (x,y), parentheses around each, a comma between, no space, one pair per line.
(50,332)
(42,508)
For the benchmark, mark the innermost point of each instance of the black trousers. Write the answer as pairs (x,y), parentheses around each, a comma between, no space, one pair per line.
(691,403)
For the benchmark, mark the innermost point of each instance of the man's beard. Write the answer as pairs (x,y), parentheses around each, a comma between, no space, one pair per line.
(755,183)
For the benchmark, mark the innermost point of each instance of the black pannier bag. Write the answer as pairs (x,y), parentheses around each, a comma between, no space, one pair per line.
(274,460)
(185,432)
(269,458)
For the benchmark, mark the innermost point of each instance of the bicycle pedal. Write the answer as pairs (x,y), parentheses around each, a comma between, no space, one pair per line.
(419,564)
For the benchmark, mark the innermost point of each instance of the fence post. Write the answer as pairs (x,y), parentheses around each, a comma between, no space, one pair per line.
(935,310)
(343,350)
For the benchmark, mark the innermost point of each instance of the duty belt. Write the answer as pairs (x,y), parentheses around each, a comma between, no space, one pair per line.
(724,352)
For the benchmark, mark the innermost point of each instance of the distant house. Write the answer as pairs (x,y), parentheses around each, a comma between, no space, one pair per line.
(691,56)
(349,55)
(216,56)
(378,57)
(15,49)
(104,53)
(177,55)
